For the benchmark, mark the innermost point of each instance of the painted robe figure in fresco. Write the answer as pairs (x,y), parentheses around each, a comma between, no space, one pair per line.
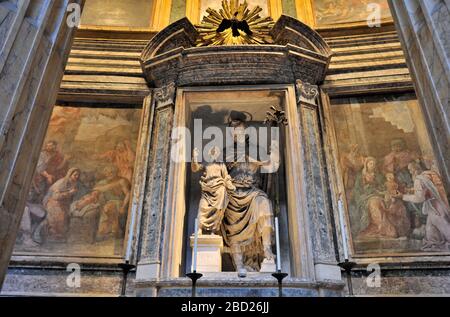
(397,161)
(122,157)
(351,162)
(369,203)
(378,210)
(115,193)
(57,203)
(429,190)
(51,167)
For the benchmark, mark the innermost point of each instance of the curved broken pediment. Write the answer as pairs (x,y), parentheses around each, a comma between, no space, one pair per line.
(297,53)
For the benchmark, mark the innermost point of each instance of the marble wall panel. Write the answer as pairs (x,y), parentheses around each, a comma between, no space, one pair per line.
(34,61)
(423,27)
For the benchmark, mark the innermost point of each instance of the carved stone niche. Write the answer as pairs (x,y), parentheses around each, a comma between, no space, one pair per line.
(297,52)
(293,65)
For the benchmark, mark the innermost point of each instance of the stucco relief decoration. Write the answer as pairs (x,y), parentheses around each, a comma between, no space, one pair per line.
(235,24)
(306,90)
(166,94)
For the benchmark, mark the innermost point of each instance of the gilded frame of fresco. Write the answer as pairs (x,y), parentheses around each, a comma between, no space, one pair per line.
(159,19)
(193,8)
(135,207)
(335,175)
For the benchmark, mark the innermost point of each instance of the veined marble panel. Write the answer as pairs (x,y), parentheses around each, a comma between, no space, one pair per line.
(424,27)
(34,56)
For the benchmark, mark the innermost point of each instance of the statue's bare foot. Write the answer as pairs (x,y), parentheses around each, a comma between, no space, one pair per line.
(242,272)
(249,268)
(29,243)
(268,254)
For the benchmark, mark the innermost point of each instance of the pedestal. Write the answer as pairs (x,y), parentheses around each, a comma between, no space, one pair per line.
(268,266)
(209,253)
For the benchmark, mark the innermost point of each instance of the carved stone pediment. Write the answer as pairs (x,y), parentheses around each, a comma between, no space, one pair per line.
(288,30)
(179,35)
(297,52)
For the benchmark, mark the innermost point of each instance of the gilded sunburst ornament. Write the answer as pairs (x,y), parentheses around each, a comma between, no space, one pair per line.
(234,24)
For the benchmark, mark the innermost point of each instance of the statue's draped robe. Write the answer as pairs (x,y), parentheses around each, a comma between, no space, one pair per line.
(249,213)
(216,187)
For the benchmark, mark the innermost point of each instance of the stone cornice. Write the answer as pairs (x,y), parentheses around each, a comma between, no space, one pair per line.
(298,52)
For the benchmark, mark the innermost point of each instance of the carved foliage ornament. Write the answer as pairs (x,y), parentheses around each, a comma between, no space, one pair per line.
(276,117)
(165,94)
(234,24)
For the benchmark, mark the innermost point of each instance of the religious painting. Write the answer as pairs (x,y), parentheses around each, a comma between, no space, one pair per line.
(217,5)
(118,13)
(81,189)
(331,12)
(395,197)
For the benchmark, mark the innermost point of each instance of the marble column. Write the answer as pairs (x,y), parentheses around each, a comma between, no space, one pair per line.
(153,219)
(424,30)
(35,40)
(316,182)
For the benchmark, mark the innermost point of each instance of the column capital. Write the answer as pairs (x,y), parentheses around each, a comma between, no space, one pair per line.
(165,95)
(306,92)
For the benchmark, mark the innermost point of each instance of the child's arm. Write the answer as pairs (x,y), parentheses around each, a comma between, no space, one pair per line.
(195,165)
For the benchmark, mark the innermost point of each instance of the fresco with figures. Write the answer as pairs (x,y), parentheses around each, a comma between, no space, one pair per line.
(394,192)
(217,5)
(131,13)
(80,193)
(329,12)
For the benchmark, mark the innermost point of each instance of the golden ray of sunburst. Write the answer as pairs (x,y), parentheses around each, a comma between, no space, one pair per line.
(260,26)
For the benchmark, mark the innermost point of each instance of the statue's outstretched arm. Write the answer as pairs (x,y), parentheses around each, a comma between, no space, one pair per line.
(195,165)
(272,165)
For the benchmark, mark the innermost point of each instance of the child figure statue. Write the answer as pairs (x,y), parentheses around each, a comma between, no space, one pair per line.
(215,185)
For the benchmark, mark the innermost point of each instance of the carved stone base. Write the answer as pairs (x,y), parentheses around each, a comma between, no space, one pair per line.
(268,266)
(209,253)
(228,284)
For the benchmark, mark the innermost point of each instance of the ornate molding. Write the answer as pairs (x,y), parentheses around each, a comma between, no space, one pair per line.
(297,53)
(306,91)
(165,95)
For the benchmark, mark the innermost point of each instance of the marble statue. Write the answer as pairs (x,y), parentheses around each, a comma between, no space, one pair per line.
(216,185)
(240,211)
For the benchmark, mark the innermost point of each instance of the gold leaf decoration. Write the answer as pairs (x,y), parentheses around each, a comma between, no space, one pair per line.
(234,10)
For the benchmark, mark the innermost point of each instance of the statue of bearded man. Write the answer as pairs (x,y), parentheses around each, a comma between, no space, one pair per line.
(247,224)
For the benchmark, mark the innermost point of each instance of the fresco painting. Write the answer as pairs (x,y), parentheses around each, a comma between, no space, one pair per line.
(395,195)
(81,190)
(132,13)
(329,12)
(217,4)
